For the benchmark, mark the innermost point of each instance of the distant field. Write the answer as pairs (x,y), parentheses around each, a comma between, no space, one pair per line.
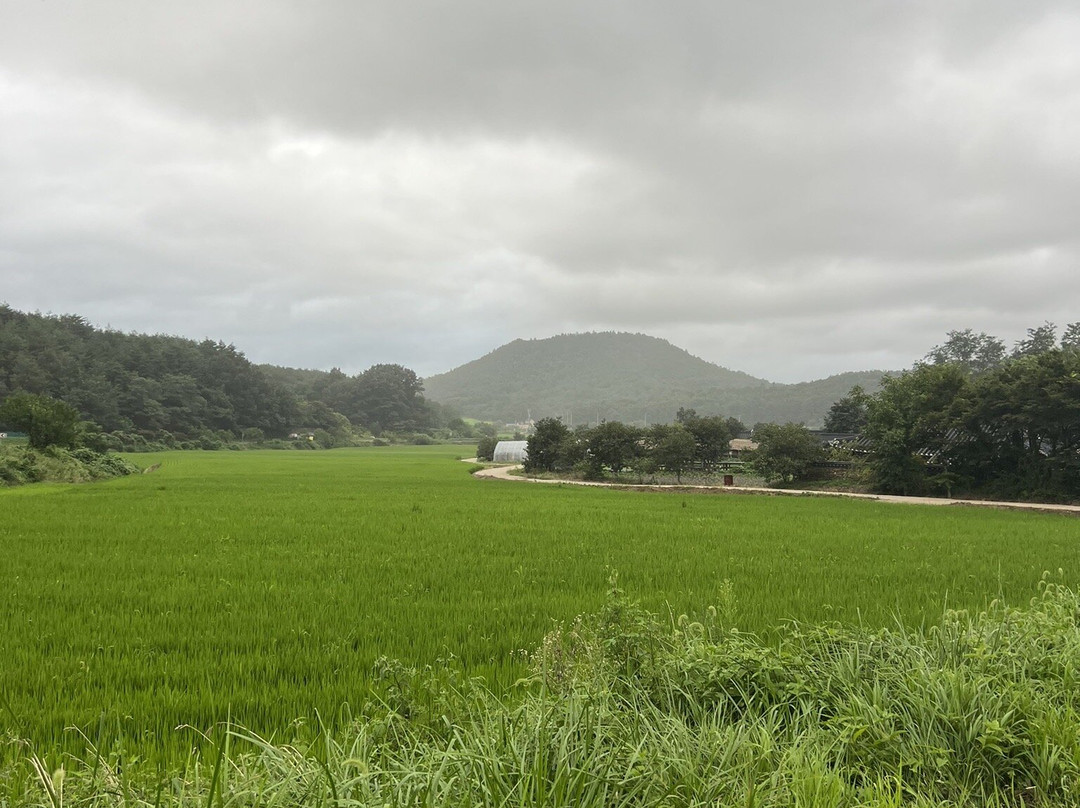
(264,585)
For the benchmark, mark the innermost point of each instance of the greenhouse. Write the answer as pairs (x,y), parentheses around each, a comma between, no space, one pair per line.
(511,451)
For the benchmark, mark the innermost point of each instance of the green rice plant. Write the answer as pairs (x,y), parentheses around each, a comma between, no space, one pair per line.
(866,717)
(263,587)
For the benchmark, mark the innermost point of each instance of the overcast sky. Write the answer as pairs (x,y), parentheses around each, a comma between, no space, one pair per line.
(790,189)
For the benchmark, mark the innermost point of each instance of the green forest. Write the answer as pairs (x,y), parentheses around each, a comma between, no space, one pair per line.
(138,391)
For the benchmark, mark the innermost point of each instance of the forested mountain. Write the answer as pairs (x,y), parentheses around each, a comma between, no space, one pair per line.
(161,388)
(164,387)
(625,377)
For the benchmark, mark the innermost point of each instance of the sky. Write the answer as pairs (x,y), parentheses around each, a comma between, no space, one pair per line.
(790,189)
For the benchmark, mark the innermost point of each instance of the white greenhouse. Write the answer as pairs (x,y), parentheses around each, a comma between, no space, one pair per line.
(511,451)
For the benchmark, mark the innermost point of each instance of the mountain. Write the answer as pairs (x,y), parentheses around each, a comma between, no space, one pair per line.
(625,377)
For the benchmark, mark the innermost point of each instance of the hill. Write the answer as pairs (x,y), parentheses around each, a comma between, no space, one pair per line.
(625,377)
(143,388)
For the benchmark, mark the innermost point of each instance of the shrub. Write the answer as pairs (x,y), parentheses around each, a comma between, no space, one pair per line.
(23,465)
(485,449)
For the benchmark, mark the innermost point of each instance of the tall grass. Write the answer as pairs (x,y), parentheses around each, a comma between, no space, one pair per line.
(627,709)
(265,586)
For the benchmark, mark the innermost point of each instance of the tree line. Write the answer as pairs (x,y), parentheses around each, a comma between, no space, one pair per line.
(973,417)
(691,442)
(142,390)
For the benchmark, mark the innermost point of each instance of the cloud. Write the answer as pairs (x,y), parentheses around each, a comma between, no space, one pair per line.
(791,189)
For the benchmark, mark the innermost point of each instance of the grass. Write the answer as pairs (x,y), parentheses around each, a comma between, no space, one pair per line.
(630,709)
(264,586)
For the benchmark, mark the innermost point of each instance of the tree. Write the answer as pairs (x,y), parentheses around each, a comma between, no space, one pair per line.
(912,412)
(685,415)
(544,445)
(485,450)
(849,413)
(711,436)
(573,449)
(1039,340)
(46,421)
(784,452)
(1021,427)
(1071,337)
(612,444)
(673,448)
(383,397)
(975,353)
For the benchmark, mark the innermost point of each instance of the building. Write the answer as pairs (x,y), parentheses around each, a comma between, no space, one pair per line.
(511,451)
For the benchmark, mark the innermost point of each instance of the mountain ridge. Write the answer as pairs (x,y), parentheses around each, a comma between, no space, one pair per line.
(625,376)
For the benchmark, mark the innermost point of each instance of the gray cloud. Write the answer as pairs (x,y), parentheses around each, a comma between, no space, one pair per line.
(791,189)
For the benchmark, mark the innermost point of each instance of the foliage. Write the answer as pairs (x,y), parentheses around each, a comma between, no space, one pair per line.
(736,427)
(382,398)
(909,415)
(46,421)
(673,447)
(849,413)
(1071,337)
(975,353)
(485,449)
(711,435)
(545,444)
(574,449)
(614,446)
(611,445)
(629,709)
(153,386)
(1021,428)
(20,465)
(1011,431)
(784,452)
(1039,340)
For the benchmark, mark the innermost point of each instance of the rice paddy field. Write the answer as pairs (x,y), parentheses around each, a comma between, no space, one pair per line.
(262,587)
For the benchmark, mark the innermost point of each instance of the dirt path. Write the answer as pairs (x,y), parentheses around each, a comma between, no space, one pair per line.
(503,473)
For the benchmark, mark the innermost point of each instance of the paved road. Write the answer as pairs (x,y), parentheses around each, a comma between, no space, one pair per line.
(503,473)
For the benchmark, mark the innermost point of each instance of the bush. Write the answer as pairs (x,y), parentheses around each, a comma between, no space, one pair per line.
(485,449)
(208,442)
(23,465)
(135,442)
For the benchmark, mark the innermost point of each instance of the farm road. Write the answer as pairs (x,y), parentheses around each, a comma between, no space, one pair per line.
(503,473)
